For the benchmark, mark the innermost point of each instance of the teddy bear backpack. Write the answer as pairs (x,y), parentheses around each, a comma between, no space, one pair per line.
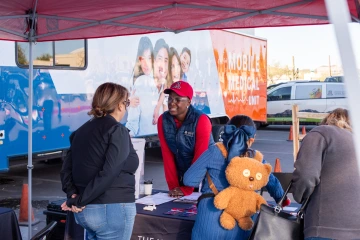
(239,202)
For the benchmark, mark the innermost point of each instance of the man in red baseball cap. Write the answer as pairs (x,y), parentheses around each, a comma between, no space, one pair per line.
(184,134)
(181,88)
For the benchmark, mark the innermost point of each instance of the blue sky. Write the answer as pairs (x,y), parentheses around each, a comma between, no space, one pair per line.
(310,45)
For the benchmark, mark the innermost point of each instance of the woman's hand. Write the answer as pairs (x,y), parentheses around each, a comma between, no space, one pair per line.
(64,207)
(74,209)
(176,192)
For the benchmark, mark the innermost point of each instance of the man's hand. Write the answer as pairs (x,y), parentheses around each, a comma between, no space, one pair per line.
(176,192)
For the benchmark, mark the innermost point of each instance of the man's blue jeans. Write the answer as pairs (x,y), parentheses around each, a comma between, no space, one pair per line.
(107,221)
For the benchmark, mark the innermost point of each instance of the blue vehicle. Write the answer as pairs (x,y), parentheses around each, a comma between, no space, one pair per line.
(55,115)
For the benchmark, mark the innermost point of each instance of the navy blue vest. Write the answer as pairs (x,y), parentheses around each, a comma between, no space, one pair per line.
(182,141)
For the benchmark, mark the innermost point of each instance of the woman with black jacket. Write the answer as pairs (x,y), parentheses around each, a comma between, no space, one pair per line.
(98,172)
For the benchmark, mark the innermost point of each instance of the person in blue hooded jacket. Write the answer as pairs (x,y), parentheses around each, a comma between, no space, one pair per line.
(239,135)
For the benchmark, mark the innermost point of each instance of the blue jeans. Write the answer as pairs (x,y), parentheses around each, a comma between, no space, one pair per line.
(107,221)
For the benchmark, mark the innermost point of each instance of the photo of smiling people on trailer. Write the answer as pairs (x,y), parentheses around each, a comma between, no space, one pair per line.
(161,60)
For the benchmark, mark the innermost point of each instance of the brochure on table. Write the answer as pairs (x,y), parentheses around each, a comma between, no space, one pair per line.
(161,198)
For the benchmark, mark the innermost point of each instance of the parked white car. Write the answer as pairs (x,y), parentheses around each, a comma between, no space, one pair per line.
(310,96)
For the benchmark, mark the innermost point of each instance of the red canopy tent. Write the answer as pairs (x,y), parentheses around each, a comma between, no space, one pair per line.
(50,20)
(69,19)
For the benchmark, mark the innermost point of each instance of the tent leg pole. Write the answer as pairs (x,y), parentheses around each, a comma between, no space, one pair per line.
(338,12)
(30,164)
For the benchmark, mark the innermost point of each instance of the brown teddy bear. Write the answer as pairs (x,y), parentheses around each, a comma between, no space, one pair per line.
(240,201)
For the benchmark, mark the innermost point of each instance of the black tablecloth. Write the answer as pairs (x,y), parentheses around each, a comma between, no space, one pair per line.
(9,227)
(148,225)
(153,225)
(157,225)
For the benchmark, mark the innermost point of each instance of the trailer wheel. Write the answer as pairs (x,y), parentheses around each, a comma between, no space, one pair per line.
(217,131)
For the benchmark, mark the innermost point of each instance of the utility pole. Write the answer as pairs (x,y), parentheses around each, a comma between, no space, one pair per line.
(293,68)
(330,65)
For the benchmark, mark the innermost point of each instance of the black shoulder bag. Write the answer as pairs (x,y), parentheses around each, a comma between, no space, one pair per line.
(274,224)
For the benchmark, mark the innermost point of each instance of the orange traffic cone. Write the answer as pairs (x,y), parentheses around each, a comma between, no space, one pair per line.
(303,130)
(291,134)
(277,167)
(23,213)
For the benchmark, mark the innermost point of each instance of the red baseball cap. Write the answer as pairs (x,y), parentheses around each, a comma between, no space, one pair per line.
(181,88)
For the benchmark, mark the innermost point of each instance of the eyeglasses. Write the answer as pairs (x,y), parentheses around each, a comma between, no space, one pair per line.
(176,99)
(127,103)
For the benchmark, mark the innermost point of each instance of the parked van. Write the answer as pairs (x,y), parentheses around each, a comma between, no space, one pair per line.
(334,79)
(310,96)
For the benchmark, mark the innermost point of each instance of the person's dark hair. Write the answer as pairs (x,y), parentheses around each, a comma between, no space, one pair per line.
(185,49)
(160,43)
(241,120)
(173,53)
(106,98)
(238,144)
(144,44)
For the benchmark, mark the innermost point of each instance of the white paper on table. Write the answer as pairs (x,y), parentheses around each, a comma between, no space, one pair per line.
(155,199)
(289,209)
(192,197)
